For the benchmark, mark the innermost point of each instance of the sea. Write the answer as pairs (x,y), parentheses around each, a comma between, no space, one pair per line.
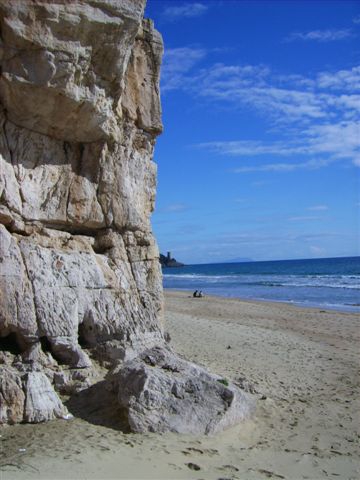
(329,283)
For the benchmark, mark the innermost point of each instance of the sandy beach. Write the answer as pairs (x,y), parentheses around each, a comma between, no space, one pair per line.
(302,364)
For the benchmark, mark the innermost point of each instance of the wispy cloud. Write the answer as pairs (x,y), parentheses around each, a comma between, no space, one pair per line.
(339,140)
(248,148)
(181,60)
(175,208)
(318,116)
(356,20)
(283,167)
(304,219)
(322,116)
(325,143)
(176,63)
(281,98)
(184,10)
(329,35)
(341,80)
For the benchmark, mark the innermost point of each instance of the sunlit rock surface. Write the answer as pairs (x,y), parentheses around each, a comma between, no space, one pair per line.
(80,277)
(162,392)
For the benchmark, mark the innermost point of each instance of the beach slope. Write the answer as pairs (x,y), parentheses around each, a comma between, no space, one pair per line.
(303,364)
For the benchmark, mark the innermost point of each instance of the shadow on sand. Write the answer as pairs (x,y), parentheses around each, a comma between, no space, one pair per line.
(99,406)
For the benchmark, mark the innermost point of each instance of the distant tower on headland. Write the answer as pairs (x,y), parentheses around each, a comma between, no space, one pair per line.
(168,261)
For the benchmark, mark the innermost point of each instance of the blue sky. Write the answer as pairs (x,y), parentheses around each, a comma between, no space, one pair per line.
(260,155)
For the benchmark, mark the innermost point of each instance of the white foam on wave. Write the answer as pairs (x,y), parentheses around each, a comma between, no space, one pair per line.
(196,276)
(301,281)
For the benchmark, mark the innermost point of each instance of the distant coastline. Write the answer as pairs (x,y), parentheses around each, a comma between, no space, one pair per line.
(169,262)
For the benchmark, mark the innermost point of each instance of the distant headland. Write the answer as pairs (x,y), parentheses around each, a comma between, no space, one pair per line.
(168,261)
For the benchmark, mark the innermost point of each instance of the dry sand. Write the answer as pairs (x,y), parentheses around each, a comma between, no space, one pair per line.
(304,364)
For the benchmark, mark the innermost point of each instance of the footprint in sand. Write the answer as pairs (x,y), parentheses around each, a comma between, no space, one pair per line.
(193,466)
(195,450)
(269,474)
(211,451)
(207,451)
(228,468)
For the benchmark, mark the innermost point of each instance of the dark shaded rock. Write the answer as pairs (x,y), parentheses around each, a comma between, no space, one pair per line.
(168,261)
(29,397)
(11,396)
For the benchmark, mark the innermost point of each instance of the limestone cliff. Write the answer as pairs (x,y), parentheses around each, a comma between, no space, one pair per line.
(80,276)
(80,112)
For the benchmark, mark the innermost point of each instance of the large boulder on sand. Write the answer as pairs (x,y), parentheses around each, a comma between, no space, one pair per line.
(162,392)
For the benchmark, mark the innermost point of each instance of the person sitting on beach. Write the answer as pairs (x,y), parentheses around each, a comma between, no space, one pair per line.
(195,294)
(200,294)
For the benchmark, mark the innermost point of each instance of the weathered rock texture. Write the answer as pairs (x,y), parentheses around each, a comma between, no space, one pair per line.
(162,392)
(80,275)
(80,112)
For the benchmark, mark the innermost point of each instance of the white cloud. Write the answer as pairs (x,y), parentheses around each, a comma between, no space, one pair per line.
(322,124)
(340,140)
(283,98)
(296,80)
(181,60)
(343,79)
(284,167)
(318,117)
(277,102)
(175,208)
(321,35)
(326,143)
(303,219)
(250,148)
(176,63)
(184,10)
(356,20)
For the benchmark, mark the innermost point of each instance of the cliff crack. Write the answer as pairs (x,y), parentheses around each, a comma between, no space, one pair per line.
(32,290)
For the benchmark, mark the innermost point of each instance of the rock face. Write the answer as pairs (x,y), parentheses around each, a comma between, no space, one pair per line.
(79,115)
(64,66)
(79,273)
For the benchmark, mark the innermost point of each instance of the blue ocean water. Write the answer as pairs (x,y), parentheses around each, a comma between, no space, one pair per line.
(332,283)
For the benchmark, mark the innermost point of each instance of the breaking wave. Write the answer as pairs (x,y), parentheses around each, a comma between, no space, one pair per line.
(308,281)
